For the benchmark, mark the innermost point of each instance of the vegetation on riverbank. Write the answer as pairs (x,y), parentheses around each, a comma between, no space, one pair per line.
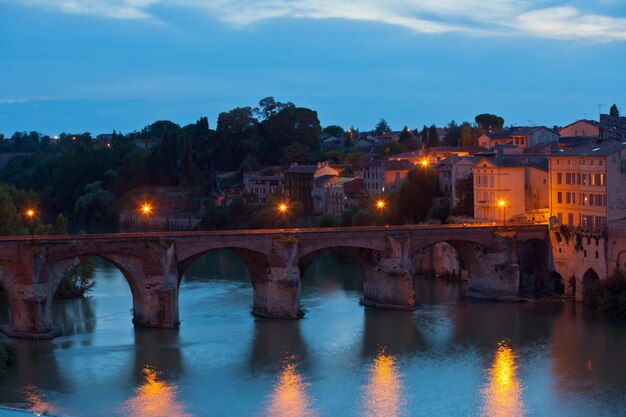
(78,281)
(7,356)
(608,296)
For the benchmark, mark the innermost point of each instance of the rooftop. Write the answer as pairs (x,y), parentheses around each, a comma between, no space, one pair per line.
(595,149)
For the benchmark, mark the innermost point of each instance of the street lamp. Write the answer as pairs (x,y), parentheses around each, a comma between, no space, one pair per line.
(146,210)
(282,207)
(502,204)
(30,214)
(380,205)
(424,162)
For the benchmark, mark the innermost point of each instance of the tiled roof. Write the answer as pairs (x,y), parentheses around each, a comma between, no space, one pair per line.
(597,149)
(303,169)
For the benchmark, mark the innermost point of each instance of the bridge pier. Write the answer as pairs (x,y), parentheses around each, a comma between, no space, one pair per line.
(495,276)
(277,288)
(389,285)
(155,292)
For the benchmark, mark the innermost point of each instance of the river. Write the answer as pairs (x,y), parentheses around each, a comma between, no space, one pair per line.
(451,357)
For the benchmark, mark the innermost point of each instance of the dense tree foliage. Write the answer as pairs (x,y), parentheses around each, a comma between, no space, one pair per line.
(614,111)
(465,191)
(489,122)
(382,127)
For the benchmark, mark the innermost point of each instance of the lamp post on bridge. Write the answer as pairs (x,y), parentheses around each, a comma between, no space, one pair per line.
(146,210)
(282,208)
(380,205)
(30,215)
(502,204)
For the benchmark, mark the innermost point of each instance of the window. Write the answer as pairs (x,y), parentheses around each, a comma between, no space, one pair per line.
(570,219)
(559,197)
(592,179)
(491,181)
(600,162)
(568,198)
(559,178)
(601,182)
(560,217)
(558,162)
(584,179)
(569,162)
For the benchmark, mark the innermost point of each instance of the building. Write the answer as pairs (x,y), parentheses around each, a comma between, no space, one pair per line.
(462,167)
(586,190)
(320,186)
(385,175)
(526,137)
(587,197)
(436,154)
(343,194)
(581,129)
(510,189)
(263,186)
(299,183)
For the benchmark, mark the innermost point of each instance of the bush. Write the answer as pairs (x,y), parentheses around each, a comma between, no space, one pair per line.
(78,281)
(608,296)
(7,356)
(327,220)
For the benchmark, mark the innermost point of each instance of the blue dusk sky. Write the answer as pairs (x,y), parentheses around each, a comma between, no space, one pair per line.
(99,65)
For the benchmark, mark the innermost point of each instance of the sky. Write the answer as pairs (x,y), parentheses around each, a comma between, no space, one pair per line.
(99,65)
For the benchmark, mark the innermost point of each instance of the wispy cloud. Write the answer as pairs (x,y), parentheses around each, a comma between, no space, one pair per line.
(560,20)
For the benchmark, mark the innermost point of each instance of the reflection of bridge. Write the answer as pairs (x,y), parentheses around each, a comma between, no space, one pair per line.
(31,268)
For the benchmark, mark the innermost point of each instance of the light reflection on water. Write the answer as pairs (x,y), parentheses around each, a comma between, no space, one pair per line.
(502,395)
(289,397)
(154,398)
(383,396)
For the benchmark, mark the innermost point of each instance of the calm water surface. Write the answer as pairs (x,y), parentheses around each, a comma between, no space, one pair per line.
(451,357)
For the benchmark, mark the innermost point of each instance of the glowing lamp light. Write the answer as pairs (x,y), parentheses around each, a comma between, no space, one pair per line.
(146,209)
(380,204)
(282,207)
(30,212)
(501,203)
(424,162)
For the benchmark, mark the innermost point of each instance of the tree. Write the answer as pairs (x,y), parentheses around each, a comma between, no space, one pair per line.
(96,206)
(327,220)
(424,137)
(60,227)
(413,199)
(406,136)
(382,127)
(614,111)
(453,134)
(295,152)
(78,281)
(167,160)
(489,122)
(186,162)
(465,192)
(333,130)
(470,134)
(9,219)
(433,137)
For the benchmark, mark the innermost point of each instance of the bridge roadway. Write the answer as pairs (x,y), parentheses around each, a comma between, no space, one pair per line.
(31,267)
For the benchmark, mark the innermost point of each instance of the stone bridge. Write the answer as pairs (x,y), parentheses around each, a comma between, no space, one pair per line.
(31,268)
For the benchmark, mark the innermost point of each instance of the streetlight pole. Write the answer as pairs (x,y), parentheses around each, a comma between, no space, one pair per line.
(380,205)
(146,210)
(282,207)
(30,213)
(502,204)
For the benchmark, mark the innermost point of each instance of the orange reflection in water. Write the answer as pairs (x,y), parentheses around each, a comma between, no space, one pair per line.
(36,403)
(383,393)
(502,395)
(154,398)
(289,398)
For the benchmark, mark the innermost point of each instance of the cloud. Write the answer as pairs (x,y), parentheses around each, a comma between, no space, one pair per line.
(479,17)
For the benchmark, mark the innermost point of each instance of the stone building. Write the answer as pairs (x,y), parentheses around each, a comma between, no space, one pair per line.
(300,181)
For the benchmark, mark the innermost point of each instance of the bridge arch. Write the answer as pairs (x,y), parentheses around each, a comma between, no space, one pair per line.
(55,270)
(469,252)
(256,262)
(533,257)
(589,278)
